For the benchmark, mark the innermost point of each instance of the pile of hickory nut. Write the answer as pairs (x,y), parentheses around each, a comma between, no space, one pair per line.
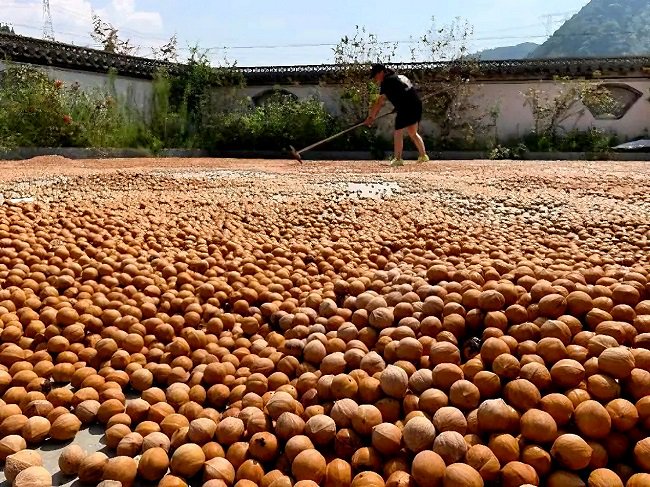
(229,355)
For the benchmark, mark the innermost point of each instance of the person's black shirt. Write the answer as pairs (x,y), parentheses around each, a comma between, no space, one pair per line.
(399,90)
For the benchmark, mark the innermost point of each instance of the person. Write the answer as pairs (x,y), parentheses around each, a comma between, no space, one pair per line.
(399,90)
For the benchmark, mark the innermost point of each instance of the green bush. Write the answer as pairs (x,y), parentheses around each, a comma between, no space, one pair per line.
(103,121)
(591,140)
(36,111)
(503,152)
(278,123)
(169,121)
(33,111)
(538,142)
(185,105)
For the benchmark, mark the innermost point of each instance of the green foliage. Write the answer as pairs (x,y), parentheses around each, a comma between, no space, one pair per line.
(448,88)
(36,111)
(183,104)
(552,110)
(33,111)
(108,36)
(591,140)
(602,28)
(278,123)
(363,48)
(168,52)
(443,43)
(103,120)
(169,126)
(6,29)
(601,102)
(355,55)
(501,152)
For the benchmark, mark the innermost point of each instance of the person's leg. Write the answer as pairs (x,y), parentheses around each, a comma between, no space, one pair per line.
(398,140)
(417,139)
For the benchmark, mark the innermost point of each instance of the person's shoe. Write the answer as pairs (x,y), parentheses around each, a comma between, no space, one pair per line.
(424,158)
(394,162)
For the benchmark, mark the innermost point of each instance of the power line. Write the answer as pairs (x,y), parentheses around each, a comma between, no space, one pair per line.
(411,41)
(71,34)
(134,33)
(333,44)
(77,15)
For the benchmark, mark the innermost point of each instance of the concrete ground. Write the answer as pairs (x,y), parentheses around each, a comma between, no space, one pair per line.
(90,439)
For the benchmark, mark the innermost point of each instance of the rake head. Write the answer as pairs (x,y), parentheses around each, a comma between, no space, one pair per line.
(295,154)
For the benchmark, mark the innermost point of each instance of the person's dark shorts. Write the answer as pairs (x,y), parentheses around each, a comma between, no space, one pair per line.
(408,115)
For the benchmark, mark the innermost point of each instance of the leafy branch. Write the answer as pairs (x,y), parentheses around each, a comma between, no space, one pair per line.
(107,35)
(449,89)
(551,111)
(6,29)
(167,52)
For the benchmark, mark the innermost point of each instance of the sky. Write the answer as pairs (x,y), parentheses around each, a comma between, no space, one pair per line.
(287,32)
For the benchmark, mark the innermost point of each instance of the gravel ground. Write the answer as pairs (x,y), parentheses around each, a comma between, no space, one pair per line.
(556,215)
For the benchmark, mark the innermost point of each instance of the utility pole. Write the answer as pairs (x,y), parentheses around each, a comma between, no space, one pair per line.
(558,17)
(48,29)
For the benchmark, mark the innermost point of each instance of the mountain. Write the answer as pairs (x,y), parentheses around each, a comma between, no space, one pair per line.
(520,51)
(602,28)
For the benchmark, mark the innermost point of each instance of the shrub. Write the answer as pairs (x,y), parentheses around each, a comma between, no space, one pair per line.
(275,125)
(36,111)
(504,152)
(33,110)
(102,120)
(591,140)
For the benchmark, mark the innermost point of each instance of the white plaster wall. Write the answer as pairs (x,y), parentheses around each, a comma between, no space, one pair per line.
(138,92)
(516,119)
(636,120)
(329,95)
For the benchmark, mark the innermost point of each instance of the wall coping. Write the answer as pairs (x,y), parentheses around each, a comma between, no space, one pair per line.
(56,54)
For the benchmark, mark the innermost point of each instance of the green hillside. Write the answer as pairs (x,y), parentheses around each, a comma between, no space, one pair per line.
(602,28)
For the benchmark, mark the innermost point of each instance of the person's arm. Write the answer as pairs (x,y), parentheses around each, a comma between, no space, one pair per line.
(374,111)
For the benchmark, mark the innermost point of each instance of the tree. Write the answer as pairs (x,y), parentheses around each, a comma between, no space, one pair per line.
(551,111)
(185,101)
(447,86)
(167,52)
(354,55)
(557,112)
(107,35)
(6,29)
(444,84)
